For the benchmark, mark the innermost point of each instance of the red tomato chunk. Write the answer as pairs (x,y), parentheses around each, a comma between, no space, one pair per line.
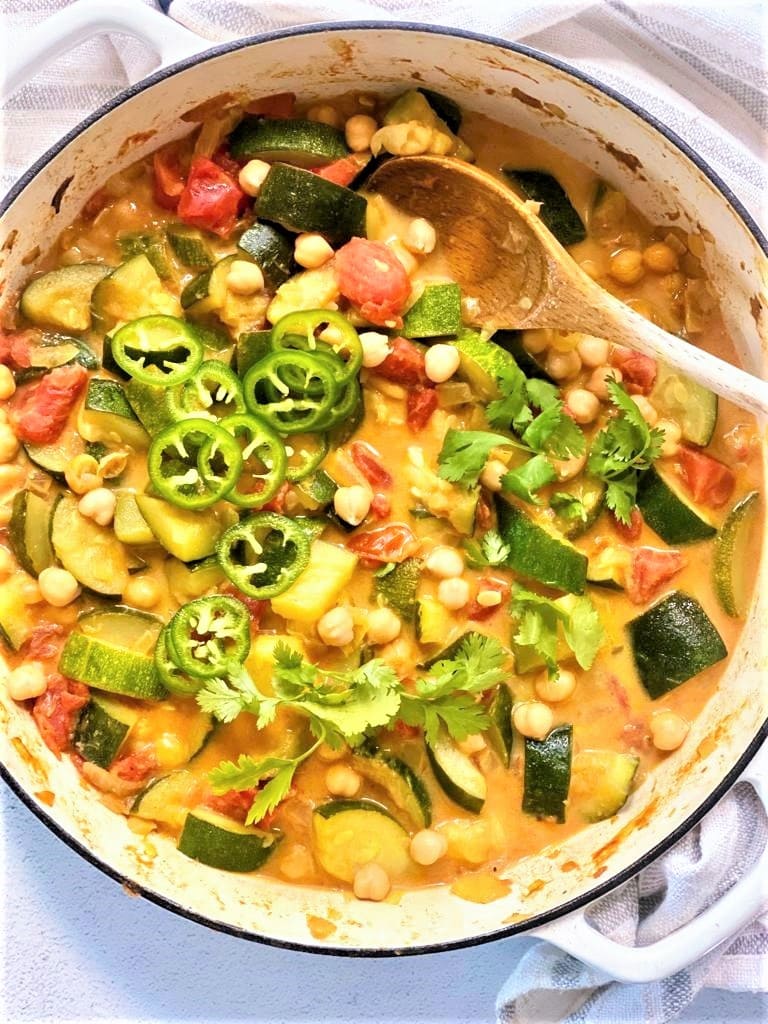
(56,711)
(14,348)
(638,371)
(373,279)
(479,612)
(632,529)
(367,461)
(393,543)
(420,405)
(44,642)
(650,570)
(340,172)
(40,411)
(404,364)
(709,481)
(135,767)
(211,199)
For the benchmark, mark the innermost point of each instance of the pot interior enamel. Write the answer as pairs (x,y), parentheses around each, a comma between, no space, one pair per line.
(546,101)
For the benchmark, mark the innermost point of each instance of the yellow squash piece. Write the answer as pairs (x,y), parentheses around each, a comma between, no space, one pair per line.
(318,588)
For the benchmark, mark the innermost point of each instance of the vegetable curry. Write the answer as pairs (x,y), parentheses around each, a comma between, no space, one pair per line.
(302,567)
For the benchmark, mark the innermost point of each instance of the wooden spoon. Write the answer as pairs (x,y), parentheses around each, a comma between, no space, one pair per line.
(517,275)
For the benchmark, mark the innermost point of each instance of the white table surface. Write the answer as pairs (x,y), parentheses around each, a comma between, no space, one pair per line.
(75,948)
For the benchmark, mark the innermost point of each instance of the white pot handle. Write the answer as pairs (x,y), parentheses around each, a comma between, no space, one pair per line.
(718,923)
(86,18)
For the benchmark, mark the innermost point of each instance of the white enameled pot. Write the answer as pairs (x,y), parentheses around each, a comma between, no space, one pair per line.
(548,893)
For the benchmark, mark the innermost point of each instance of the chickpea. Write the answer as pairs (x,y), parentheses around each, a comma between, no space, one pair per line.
(336,628)
(7,383)
(668,730)
(472,745)
(341,780)
(647,411)
(583,405)
(428,846)
(420,237)
(598,381)
(26,681)
(375,348)
(82,474)
(371,882)
(533,719)
(383,626)
(358,131)
(244,278)
(58,586)
(660,258)
(672,434)
(352,504)
(453,593)
(441,362)
(296,862)
(557,688)
(324,113)
(492,474)
(142,592)
(98,505)
(537,340)
(593,352)
(9,443)
(563,365)
(444,562)
(252,176)
(488,598)
(626,266)
(311,250)
(564,341)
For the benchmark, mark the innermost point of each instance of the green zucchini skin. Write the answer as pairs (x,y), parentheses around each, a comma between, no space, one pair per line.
(343,831)
(459,778)
(189,246)
(436,313)
(29,531)
(150,245)
(539,554)
(62,298)
(300,142)
(501,733)
(729,568)
(673,641)
(402,784)
(398,588)
(100,733)
(109,668)
(605,779)
(251,347)
(300,201)
(557,211)
(668,513)
(272,250)
(547,775)
(445,108)
(213,840)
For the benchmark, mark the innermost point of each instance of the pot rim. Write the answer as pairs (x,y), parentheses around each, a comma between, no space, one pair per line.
(578,902)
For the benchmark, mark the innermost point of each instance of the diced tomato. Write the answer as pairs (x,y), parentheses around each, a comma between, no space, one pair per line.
(281,104)
(631,530)
(618,692)
(367,461)
(277,504)
(45,642)
(404,364)
(420,405)
(650,569)
(634,734)
(169,178)
(373,279)
(483,512)
(234,804)
(638,371)
(14,348)
(56,711)
(40,411)
(406,732)
(341,172)
(392,543)
(227,162)
(381,506)
(135,767)
(211,199)
(478,612)
(709,481)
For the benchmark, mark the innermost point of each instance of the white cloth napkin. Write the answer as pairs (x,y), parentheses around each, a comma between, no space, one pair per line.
(697,66)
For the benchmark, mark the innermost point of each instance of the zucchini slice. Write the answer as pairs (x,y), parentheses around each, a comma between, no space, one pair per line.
(156,408)
(601,781)
(137,243)
(673,641)
(17,619)
(58,350)
(317,490)
(500,732)
(445,108)
(398,588)
(187,582)
(110,668)
(107,417)
(302,201)
(591,493)
(732,572)
(459,778)
(124,627)
(102,728)
(272,251)
(547,775)
(434,623)
(539,553)
(168,799)
(92,553)
(436,312)
(187,535)
(251,347)
(668,511)
(350,833)
(62,298)
(294,141)
(222,843)
(401,784)
(483,363)
(131,291)
(317,589)
(29,531)
(189,246)
(688,403)
(129,524)
(557,212)
(213,296)
(54,457)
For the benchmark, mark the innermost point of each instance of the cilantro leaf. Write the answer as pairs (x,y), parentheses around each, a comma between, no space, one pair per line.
(538,619)
(225,698)
(525,480)
(568,506)
(541,393)
(511,410)
(247,773)
(491,550)
(460,714)
(275,791)
(465,453)
(621,496)
(476,665)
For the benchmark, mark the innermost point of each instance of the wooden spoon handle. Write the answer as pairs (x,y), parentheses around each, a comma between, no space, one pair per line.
(611,319)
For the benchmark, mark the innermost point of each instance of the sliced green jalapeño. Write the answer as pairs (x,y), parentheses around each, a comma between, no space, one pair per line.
(293,391)
(305,453)
(318,330)
(194,463)
(171,675)
(264,554)
(160,350)
(213,390)
(208,634)
(264,460)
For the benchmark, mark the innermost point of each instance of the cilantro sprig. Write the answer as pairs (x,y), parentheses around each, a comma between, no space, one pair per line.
(538,619)
(625,447)
(490,550)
